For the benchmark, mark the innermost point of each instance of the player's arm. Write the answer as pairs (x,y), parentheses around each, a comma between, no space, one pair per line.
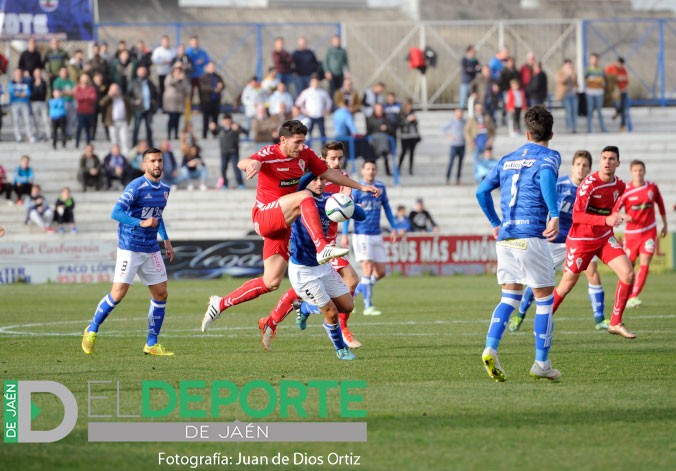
(483,196)
(390,217)
(337,177)
(548,178)
(305,181)
(663,211)
(581,216)
(249,166)
(165,237)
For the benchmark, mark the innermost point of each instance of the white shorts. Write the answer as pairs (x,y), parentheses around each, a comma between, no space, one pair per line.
(368,247)
(317,285)
(526,262)
(148,266)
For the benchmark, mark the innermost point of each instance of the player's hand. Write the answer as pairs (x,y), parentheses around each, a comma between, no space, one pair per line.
(394,236)
(2,231)
(344,241)
(169,249)
(626,218)
(663,232)
(252,169)
(614,220)
(495,231)
(150,222)
(552,229)
(370,189)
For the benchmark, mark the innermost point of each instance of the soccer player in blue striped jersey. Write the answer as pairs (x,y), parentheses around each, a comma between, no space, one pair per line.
(139,213)
(566,188)
(527,182)
(367,241)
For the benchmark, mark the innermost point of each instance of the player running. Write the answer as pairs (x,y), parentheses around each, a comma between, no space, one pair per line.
(278,205)
(367,241)
(566,188)
(640,236)
(139,212)
(527,182)
(592,235)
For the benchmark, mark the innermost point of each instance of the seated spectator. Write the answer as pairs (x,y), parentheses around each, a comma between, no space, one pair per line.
(115,167)
(264,128)
(135,168)
(421,220)
(23,179)
(347,94)
(270,82)
(343,121)
(39,212)
(196,168)
(173,175)
(89,173)
(379,132)
(5,185)
(392,109)
(64,212)
(298,115)
(188,138)
(401,222)
(280,102)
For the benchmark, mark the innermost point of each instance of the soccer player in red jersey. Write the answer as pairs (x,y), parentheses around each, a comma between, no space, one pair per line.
(640,236)
(592,234)
(278,204)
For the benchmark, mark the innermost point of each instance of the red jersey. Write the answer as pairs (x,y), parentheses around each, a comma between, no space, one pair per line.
(594,202)
(279,175)
(639,203)
(331,187)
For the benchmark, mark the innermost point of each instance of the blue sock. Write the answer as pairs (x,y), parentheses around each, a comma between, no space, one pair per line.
(543,327)
(105,307)
(155,319)
(336,335)
(597,298)
(307,309)
(367,290)
(526,301)
(509,301)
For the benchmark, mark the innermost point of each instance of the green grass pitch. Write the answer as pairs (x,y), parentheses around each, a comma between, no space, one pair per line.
(430,404)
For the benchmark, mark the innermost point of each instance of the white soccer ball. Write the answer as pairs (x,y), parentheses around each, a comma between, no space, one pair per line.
(339,207)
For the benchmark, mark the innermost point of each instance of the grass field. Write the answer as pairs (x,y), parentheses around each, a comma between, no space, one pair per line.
(430,404)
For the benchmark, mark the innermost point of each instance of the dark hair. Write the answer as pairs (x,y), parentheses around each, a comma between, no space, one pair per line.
(469,48)
(613,149)
(292,128)
(400,207)
(637,162)
(583,154)
(332,145)
(151,150)
(226,116)
(369,162)
(539,122)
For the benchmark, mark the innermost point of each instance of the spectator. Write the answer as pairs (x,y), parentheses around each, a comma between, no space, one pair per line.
(515,101)
(188,138)
(122,47)
(526,72)
(298,115)
(30,59)
(183,59)
(480,89)
(336,66)
(252,96)
(228,137)
(136,163)
(304,64)
(343,121)
(595,82)
(402,224)
(176,90)
(392,109)
(618,75)
(143,98)
(420,219)
(123,71)
(497,63)
(142,56)
(283,62)
(67,88)
(469,67)
(85,98)
(196,167)
(2,92)
(5,185)
(379,132)
(19,103)
(479,135)
(23,179)
(346,94)
(454,130)
(89,173)
(211,88)
(101,90)
(409,134)
(315,103)
(537,89)
(508,74)
(270,82)
(373,96)
(172,174)
(104,52)
(115,167)
(64,211)
(199,60)
(55,58)
(99,65)
(39,212)
(280,102)
(58,115)
(76,66)
(264,128)
(163,58)
(566,91)
(117,112)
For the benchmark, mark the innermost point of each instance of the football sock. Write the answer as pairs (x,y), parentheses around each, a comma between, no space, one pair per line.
(155,319)
(543,327)
(526,301)
(342,319)
(283,308)
(597,298)
(367,290)
(621,296)
(335,334)
(310,218)
(557,300)
(309,309)
(509,301)
(641,276)
(248,291)
(105,307)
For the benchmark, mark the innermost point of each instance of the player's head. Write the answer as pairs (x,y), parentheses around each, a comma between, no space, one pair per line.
(332,154)
(152,162)
(581,166)
(292,138)
(539,123)
(610,160)
(316,186)
(369,171)
(637,170)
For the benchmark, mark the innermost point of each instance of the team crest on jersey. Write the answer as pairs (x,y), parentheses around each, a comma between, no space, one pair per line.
(650,195)
(301,164)
(578,262)
(615,195)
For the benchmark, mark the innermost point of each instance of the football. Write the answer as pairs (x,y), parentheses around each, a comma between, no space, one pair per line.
(339,207)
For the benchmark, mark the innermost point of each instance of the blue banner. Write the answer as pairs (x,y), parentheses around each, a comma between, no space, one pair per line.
(73,19)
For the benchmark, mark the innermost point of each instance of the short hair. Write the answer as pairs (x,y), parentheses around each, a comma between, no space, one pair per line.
(637,162)
(613,149)
(593,54)
(369,162)
(539,122)
(292,127)
(226,116)
(151,150)
(469,48)
(332,145)
(401,207)
(583,154)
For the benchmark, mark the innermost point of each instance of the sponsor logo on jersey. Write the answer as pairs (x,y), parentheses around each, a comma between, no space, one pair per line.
(289,182)
(148,196)
(518,164)
(601,211)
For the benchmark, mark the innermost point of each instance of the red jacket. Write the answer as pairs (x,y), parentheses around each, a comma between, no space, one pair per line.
(509,104)
(85,97)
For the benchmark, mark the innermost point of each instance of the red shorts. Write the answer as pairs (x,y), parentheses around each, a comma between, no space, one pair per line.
(580,252)
(640,243)
(339,263)
(270,224)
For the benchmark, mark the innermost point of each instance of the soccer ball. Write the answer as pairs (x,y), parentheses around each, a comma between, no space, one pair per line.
(339,207)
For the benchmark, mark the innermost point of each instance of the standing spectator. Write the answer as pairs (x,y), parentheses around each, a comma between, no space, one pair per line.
(39,107)
(228,138)
(19,103)
(270,81)
(280,102)
(252,96)
(117,112)
(283,62)
(454,130)
(211,87)
(143,98)
(421,220)
(176,90)
(58,114)
(621,80)
(183,59)
(89,172)
(479,135)
(30,59)
(526,72)
(401,222)
(99,65)
(55,58)
(515,101)
(122,71)
(373,96)
(101,91)
(122,47)
(379,132)
(480,89)
(497,63)
(469,67)
(142,56)
(336,66)
(76,66)
(315,103)
(67,88)
(104,52)
(409,134)
(23,179)
(508,74)
(172,174)
(163,58)
(197,169)
(39,212)
(2,92)
(392,109)
(199,60)
(115,167)
(343,122)
(537,89)
(566,91)
(64,211)
(347,94)
(304,64)
(85,98)
(595,83)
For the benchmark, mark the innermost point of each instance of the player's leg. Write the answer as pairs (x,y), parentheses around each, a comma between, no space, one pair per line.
(565,286)
(154,275)
(280,311)
(342,301)
(625,280)
(517,319)
(351,279)
(646,251)
(596,295)
(332,328)
(377,274)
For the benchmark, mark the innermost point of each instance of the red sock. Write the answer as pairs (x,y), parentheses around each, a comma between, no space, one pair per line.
(342,320)
(621,296)
(248,291)
(311,221)
(283,308)
(557,300)
(641,276)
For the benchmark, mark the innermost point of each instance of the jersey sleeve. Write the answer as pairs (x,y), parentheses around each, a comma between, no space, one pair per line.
(660,202)
(387,208)
(317,166)
(483,195)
